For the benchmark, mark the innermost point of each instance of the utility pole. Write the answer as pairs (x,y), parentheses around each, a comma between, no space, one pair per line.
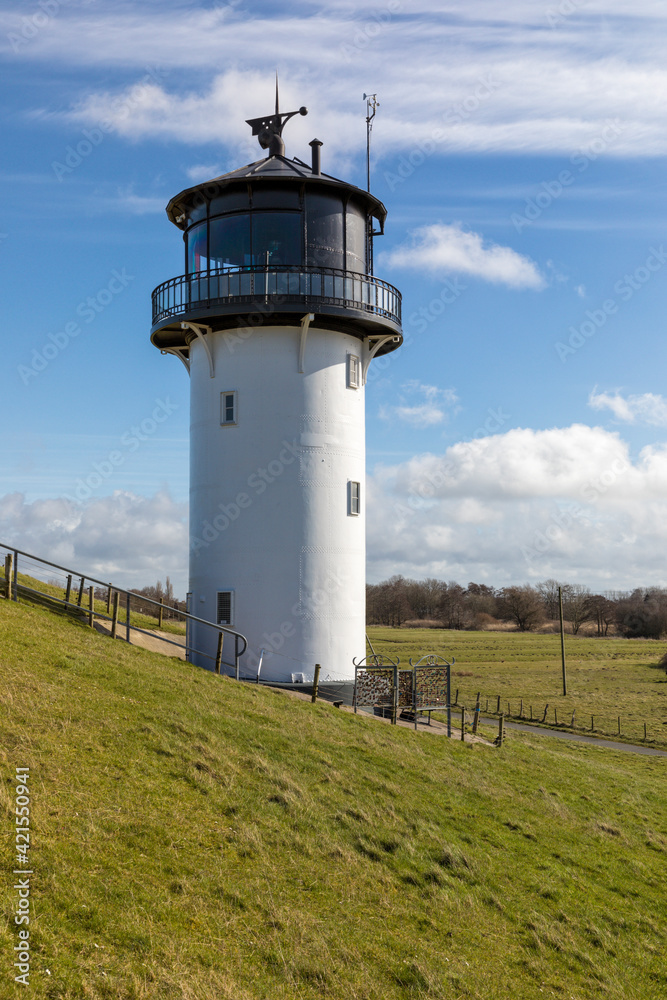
(562,637)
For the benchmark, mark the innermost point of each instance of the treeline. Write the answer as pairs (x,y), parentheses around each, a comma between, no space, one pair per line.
(641,613)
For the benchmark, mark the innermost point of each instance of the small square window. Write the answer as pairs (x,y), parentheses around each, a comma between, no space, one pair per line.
(353,371)
(225,608)
(228,408)
(353,498)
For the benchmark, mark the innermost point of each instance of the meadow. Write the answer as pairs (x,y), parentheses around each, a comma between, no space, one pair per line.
(194,837)
(606,678)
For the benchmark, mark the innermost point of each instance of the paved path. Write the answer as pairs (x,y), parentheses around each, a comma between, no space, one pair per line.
(579,738)
(152,641)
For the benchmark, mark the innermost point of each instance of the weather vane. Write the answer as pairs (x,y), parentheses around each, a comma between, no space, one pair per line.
(269,129)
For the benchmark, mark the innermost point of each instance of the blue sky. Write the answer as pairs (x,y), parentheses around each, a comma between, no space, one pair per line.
(519,433)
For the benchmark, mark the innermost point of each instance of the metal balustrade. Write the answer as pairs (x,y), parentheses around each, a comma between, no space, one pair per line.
(277,286)
(13,589)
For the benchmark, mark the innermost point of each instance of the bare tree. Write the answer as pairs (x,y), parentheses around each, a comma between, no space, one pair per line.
(548,591)
(522,605)
(576,605)
(602,612)
(452,608)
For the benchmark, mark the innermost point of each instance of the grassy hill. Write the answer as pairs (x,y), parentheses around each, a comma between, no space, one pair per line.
(197,838)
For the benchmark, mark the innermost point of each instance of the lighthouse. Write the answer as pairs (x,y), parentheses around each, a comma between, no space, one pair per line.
(277,318)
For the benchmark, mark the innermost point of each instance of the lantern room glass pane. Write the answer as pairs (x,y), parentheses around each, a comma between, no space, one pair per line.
(325,230)
(230,241)
(197,260)
(355,242)
(278,235)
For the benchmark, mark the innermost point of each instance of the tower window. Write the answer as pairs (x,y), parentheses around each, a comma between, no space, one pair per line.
(353,498)
(353,366)
(225,608)
(228,408)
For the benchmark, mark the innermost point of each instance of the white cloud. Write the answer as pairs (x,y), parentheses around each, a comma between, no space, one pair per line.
(421,405)
(647,408)
(127,539)
(444,249)
(508,85)
(201,172)
(522,506)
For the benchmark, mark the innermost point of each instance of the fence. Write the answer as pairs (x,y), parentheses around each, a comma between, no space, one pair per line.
(87,611)
(572,720)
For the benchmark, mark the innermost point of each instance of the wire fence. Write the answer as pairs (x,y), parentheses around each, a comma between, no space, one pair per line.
(625,727)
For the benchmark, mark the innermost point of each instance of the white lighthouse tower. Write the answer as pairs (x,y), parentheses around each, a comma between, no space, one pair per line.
(277,318)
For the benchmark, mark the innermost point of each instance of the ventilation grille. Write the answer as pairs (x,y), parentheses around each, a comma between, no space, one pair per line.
(225,607)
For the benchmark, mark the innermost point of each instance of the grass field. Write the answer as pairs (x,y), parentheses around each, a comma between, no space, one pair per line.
(194,838)
(606,678)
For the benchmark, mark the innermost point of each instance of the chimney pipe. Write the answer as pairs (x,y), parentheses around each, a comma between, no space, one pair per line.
(315,146)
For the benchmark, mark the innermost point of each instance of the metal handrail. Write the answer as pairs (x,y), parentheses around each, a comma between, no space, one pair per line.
(225,630)
(271,283)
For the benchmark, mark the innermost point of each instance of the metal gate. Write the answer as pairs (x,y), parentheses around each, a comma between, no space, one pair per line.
(425,686)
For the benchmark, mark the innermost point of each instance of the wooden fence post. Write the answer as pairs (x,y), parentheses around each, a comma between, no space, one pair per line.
(463,723)
(91,605)
(572,721)
(68,588)
(109,599)
(475,721)
(521,709)
(161,613)
(501,730)
(498,706)
(531,713)
(316,682)
(80,597)
(592,726)
(544,717)
(644,731)
(619,725)
(9,559)
(509,711)
(114,620)
(218,655)
(555,716)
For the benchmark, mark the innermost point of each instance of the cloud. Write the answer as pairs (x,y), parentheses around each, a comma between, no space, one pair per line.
(421,405)
(648,408)
(513,85)
(449,249)
(525,505)
(129,540)
(522,506)
(201,172)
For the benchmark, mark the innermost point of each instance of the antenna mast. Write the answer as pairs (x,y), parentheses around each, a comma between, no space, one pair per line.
(372,104)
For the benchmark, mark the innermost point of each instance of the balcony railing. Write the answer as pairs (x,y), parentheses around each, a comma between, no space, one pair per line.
(280,287)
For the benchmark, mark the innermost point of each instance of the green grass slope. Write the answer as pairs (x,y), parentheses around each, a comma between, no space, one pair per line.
(196,838)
